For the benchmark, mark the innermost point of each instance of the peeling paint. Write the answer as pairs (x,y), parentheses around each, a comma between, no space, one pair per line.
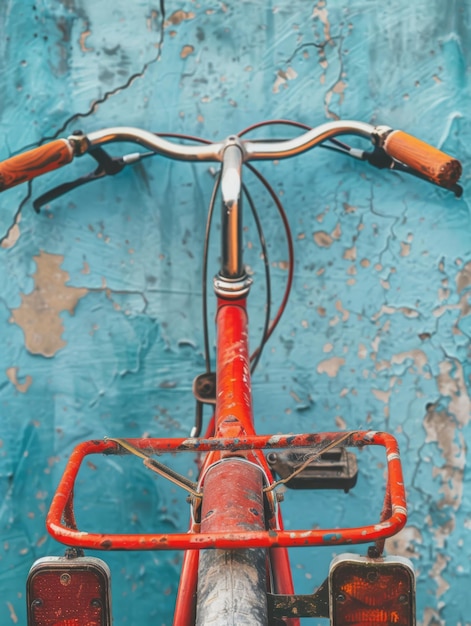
(186,51)
(39,312)
(177,17)
(418,357)
(331,366)
(452,384)
(282,77)
(12,375)
(13,234)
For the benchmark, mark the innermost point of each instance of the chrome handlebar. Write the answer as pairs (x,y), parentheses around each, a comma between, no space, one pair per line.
(251,150)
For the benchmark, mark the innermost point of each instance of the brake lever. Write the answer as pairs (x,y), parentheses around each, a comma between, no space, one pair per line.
(107,166)
(59,191)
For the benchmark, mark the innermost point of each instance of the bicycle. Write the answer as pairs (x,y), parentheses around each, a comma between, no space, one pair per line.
(236,568)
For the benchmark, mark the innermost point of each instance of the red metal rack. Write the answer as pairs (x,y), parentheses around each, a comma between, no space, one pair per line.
(61,520)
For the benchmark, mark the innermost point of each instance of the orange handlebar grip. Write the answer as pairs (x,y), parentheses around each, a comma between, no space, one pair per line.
(26,166)
(437,166)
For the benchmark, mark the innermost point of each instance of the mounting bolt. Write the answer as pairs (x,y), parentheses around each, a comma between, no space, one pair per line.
(373,552)
(372,576)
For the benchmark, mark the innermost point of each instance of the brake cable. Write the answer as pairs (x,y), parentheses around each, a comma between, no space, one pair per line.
(107,166)
(289,243)
(254,358)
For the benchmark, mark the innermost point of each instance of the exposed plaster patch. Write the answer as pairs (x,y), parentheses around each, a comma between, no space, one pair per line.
(390,310)
(440,564)
(282,77)
(350,254)
(381,395)
(337,232)
(86,268)
(13,234)
(432,618)
(39,312)
(320,12)
(331,366)
(463,278)
(340,309)
(186,51)
(451,384)
(13,615)
(83,38)
(417,356)
(441,430)
(452,490)
(12,375)
(405,542)
(178,17)
(463,282)
(339,89)
(405,248)
(152,20)
(324,240)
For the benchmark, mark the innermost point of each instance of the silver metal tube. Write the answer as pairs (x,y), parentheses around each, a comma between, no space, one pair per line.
(231,214)
(206,152)
(284,149)
(252,150)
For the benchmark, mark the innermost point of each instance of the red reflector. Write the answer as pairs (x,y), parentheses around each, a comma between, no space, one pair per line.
(371,592)
(69,592)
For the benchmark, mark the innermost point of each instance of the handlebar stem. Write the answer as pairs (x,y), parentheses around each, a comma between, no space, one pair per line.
(231,210)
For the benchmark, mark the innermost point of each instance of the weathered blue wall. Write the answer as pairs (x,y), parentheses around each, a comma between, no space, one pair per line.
(100,295)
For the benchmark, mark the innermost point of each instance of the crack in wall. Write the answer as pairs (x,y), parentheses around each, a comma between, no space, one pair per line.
(13,232)
(339,85)
(137,75)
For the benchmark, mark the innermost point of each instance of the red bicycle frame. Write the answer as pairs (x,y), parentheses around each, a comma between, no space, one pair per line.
(231,454)
(233,421)
(234,434)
